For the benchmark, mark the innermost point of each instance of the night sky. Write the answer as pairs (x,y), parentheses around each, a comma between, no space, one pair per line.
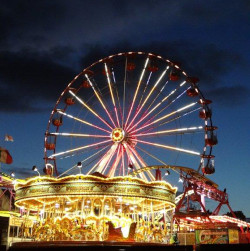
(44,44)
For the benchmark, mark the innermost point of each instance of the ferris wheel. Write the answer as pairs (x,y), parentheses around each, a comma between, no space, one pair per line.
(128,111)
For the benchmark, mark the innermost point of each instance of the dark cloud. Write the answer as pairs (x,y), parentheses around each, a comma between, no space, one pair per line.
(22,21)
(230,96)
(43,44)
(214,11)
(60,22)
(206,61)
(27,77)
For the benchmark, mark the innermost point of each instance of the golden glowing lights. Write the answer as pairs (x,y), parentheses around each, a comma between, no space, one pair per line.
(117,134)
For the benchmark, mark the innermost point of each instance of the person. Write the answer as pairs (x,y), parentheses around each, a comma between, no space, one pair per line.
(174,239)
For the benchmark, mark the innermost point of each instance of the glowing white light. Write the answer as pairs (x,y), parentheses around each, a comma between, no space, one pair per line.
(138,85)
(184,82)
(79,148)
(155,85)
(90,109)
(78,135)
(170,131)
(100,100)
(82,121)
(180,180)
(169,147)
(125,231)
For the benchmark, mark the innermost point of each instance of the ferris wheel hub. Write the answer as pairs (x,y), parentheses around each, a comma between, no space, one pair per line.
(117,134)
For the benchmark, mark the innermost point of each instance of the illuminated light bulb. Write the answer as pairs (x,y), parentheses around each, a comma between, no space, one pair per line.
(167,173)
(180,180)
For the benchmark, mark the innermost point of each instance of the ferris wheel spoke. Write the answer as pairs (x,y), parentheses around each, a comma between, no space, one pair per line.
(116,162)
(100,100)
(123,163)
(96,165)
(132,160)
(124,91)
(167,106)
(106,160)
(144,91)
(111,93)
(89,108)
(165,116)
(137,89)
(84,160)
(159,93)
(143,163)
(80,148)
(151,155)
(154,157)
(178,117)
(83,121)
(148,96)
(146,114)
(80,135)
(118,98)
(185,130)
(168,147)
(168,121)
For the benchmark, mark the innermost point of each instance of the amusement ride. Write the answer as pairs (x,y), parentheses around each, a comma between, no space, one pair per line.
(117,131)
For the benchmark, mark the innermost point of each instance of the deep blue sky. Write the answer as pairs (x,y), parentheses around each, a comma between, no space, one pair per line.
(44,44)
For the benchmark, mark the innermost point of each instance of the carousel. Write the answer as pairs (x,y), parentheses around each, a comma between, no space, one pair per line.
(120,115)
(96,208)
